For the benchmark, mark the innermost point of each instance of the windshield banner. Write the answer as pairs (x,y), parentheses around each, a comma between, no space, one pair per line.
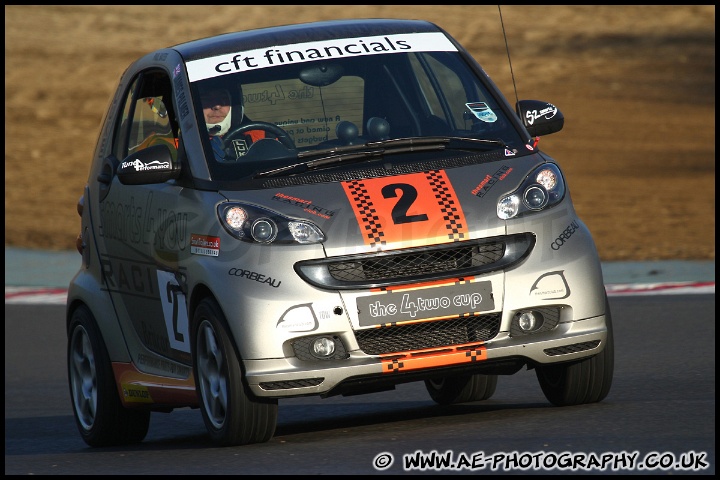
(306,52)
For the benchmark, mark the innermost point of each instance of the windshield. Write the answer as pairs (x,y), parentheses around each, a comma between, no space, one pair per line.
(329,105)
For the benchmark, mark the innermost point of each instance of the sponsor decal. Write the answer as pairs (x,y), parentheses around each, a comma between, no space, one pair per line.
(565,235)
(128,277)
(425,303)
(136,393)
(548,112)
(306,205)
(510,153)
(135,223)
(551,286)
(240,147)
(306,52)
(141,167)
(416,209)
(162,364)
(204,245)
(258,277)
(482,111)
(300,318)
(487,183)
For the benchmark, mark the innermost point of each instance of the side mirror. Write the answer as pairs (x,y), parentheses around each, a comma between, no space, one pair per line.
(150,165)
(540,118)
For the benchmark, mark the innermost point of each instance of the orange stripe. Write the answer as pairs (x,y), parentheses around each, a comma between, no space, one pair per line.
(163,390)
(446,357)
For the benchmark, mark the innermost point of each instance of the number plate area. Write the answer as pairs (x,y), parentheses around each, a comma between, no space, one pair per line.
(425,303)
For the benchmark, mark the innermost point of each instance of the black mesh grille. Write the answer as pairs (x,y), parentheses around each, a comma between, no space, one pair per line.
(417,336)
(392,267)
(574,348)
(305,382)
(418,264)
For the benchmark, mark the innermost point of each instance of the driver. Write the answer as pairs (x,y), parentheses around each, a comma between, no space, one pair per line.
(218,112)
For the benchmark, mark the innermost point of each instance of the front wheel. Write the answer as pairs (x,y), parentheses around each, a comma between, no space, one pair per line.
(232,414)
(585,381)
(100,416)
(465,388)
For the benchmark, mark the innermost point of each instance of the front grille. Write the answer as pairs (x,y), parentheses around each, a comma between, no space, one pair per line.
(414,265)
(434,334)
(408,265)
(574,348)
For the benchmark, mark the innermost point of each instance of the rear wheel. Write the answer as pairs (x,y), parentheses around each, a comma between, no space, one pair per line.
(584,381)
(465,388)
(100,416)
(232,414)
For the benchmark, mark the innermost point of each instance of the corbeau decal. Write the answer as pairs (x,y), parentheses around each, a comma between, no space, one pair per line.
(411,210)
(258,277)
(565,235)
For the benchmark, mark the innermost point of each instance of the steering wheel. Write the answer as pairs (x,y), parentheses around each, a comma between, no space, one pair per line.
(275,131)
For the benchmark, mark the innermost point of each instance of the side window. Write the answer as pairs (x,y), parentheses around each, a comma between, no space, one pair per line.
(122,126)
(147,117)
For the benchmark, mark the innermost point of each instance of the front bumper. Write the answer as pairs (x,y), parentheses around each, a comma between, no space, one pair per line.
(291,377)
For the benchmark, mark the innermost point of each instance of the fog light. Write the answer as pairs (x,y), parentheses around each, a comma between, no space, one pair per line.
(527,321)
(323,347)
(537,320)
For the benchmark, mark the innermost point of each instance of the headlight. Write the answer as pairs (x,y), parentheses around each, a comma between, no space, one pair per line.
(251,223)
(543,188)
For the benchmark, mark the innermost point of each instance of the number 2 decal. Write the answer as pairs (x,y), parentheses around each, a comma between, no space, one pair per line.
(408,197)
(409,210)
(175,312)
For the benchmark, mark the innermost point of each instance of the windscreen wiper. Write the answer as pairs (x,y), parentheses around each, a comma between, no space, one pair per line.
(336,155)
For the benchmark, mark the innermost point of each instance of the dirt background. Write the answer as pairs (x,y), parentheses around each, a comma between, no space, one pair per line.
(636,85)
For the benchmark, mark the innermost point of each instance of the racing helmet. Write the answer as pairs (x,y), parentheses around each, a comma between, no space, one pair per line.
(218,91)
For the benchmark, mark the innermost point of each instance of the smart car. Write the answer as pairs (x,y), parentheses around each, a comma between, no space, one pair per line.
(395,222)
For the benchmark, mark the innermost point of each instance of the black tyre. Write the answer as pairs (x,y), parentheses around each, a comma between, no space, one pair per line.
(99,414)
(232,414)
(584,381)
(465,388)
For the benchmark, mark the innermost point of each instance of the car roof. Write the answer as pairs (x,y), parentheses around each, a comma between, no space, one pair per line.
(298,33)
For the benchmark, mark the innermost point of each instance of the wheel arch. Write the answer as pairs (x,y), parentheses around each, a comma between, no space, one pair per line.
(201,292)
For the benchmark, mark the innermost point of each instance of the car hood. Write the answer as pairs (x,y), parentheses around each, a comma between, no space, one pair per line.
(404,210)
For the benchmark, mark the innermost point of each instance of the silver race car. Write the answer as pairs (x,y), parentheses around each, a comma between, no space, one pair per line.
(323,209)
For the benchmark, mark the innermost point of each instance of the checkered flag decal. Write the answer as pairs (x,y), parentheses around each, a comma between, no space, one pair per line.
(368,214)
(447,205)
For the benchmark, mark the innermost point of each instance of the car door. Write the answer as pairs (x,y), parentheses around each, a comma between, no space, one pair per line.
(142,232)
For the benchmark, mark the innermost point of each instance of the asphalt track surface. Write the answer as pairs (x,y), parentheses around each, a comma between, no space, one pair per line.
(660,411)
